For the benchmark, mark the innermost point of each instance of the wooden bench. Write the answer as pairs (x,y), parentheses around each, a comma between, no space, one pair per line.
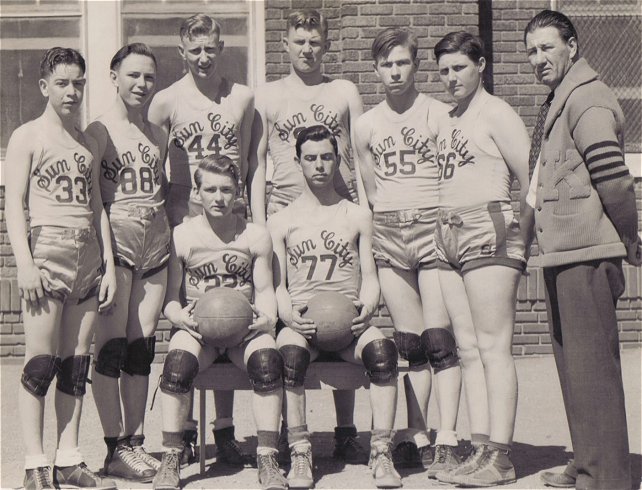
(321,375)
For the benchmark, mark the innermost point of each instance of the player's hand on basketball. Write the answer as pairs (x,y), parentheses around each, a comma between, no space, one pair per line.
(32,284)
(304,326)
(184,320)
(361,322)
(107,291)
(261,324)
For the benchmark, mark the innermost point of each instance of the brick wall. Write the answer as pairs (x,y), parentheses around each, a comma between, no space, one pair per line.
(353,25)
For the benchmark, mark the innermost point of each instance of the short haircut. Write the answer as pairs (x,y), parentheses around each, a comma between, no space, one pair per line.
(216,164)
(308,19)
(392,37)
(550,18)
(460,42)
(315,133)
(199,25)
(125,51)
(60,56)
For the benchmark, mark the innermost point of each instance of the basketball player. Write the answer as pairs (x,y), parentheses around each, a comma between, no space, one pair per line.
(51,164)
(130,180)
(398,164)
(203,114)
(304,98)
(323,242)
(482,145)
(218,248)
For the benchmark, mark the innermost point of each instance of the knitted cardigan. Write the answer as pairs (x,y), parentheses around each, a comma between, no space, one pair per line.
(585,207)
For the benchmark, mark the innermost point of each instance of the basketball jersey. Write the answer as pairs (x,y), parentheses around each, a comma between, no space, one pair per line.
(130,169)
(405,155)
(208,264)
(196,132)
(60,182)
(319,105)
(322,256)
(469,174)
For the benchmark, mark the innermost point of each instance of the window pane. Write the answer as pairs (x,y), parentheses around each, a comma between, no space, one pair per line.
(609,38)
(42,7)
(24,42)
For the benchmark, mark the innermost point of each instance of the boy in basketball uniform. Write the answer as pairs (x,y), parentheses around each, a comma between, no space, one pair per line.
(333,235)
(220,249)
(51,164)
(397,161)
(203,114)
(306,97)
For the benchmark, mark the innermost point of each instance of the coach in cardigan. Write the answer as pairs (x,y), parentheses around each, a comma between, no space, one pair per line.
(586,221)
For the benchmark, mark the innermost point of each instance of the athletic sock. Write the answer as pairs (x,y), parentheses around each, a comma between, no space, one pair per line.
(33,461)
(68,457)
(380,436)
(223,423)
(420,438)
(478,439)
(446,438)
(298,435)
(498,445)
(172,440)
(137,440)
(267,441)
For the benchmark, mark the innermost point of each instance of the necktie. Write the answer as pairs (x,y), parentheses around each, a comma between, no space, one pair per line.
(538,132)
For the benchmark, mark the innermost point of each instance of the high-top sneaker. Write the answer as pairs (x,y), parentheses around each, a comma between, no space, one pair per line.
(383,470)
(300,475)
(347,447)
(446,459)
(270,477)
(38,478)
(474,458)
(79,476)
(126,464)
(147,458)
(495,469)
(228,449)
(188,455)
(168,476)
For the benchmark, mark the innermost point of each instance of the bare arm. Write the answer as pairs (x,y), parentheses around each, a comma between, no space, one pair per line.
(365,165)
(245,141)
(355,107)
(264,296)
(158,116)
(103,231)
(179,316)
(256,179)
(370,291)
(20,152)
(510,135)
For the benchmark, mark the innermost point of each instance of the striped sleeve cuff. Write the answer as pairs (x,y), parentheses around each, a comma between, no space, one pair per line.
(605,161)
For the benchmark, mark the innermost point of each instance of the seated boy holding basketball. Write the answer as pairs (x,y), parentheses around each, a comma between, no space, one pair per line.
(220,249)
(322,242)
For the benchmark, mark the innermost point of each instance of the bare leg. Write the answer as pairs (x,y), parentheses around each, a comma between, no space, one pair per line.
(456,300)
(76,334)
(491,294)
(145,302)
(41,327)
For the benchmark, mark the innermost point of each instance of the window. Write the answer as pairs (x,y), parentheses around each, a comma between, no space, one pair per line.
(28,29)
(609,38)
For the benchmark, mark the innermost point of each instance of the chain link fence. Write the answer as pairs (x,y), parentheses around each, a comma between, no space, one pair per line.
(610,37)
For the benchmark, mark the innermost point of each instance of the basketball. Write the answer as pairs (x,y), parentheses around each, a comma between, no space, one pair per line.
(332,314)
(223,315)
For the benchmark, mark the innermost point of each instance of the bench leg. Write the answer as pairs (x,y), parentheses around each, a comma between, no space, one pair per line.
(202,394)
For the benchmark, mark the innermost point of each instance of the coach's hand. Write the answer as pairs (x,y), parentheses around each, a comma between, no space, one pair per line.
(32,285)
(262,324)
(634,252)
(107,291)
(361,322)
(183,320)
(304,326)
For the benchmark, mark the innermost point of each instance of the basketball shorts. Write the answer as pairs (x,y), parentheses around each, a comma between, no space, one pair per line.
(70,260)
(140,237)
(404,239)
(473,237)
(182,203)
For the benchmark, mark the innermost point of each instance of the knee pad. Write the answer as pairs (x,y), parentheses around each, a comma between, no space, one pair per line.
(140,355)
(410,349)
(110,360)
(39,372)
(265,370)
(72,377)
(179,371)
(295,365)
(440,347)
(380,358)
